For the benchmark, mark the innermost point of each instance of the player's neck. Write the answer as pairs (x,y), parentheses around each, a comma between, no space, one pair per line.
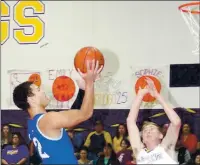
(36,110)
(152,145)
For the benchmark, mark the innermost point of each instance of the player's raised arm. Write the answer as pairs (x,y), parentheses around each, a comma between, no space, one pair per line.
(70,118)
(172,134)
(133,130)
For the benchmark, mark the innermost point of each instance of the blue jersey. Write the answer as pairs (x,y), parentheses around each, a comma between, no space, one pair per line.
(52,151)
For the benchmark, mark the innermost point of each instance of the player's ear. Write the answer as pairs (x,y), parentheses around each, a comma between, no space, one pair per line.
(142,140)
(161,136)
(31,100)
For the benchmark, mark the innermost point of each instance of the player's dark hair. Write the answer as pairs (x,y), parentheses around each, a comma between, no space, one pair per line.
(21,93)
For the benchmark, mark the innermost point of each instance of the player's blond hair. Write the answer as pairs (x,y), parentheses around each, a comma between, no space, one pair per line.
(146,123)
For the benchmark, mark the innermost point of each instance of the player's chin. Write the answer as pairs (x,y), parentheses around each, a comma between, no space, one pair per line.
(48,101)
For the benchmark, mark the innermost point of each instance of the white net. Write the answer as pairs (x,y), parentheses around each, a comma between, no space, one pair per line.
(190,14)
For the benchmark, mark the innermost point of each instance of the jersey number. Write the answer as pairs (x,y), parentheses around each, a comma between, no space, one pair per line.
(39,147)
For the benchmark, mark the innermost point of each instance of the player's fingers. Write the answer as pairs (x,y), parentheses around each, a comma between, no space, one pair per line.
(93,65)
(80,73)
(96,67)
(88,65)
(149,82)
(98,77)
(100,69)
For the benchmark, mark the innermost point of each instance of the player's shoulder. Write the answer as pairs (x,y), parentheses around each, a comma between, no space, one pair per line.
(50,115)
(36,117)
(45,116)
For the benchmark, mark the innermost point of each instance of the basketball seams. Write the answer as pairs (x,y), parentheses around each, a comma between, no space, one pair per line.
(85,64)
(87,53)
(94,54)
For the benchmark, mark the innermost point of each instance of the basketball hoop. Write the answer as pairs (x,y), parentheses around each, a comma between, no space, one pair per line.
(190,13)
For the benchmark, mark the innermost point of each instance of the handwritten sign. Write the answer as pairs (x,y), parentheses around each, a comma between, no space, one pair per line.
(108,91)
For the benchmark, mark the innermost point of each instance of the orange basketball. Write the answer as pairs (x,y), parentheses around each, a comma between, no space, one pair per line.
(87,53)
(36,79)
(142,83)
(63,88)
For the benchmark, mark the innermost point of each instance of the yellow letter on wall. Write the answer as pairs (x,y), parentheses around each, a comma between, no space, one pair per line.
(5,31)
(23,22)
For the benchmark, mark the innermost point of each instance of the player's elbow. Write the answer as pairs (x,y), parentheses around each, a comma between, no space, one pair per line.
(83,116)
(177,122)
(86,113)
(89,115)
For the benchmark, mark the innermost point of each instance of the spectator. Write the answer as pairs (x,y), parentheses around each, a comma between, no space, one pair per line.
(195,161)
(6,136)
(96,140)
(34,156)
(121,133)
(125,155)
(108,157)
(83,157)
(133,162)
(198,146)
(188,139)
(183,154)
(16,153)
(76,139)
(197,151)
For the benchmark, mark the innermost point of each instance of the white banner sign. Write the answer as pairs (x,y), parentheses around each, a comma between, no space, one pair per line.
(110,93)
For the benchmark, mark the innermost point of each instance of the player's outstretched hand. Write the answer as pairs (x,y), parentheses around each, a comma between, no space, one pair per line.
(143,91)
(152,88)
(92,73)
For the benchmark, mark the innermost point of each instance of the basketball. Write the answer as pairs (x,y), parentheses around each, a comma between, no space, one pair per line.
(141,83)
(36,79)
(87,53)
(63,88)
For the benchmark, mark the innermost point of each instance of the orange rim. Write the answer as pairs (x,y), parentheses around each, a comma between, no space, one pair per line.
(190,4)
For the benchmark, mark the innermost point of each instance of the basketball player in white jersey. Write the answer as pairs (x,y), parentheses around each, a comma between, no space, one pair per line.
(153,149)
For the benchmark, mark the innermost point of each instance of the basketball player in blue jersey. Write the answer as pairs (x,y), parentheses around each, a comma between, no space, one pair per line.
(46,130)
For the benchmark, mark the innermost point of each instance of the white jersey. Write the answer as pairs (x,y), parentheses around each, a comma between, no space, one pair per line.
(156,156)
